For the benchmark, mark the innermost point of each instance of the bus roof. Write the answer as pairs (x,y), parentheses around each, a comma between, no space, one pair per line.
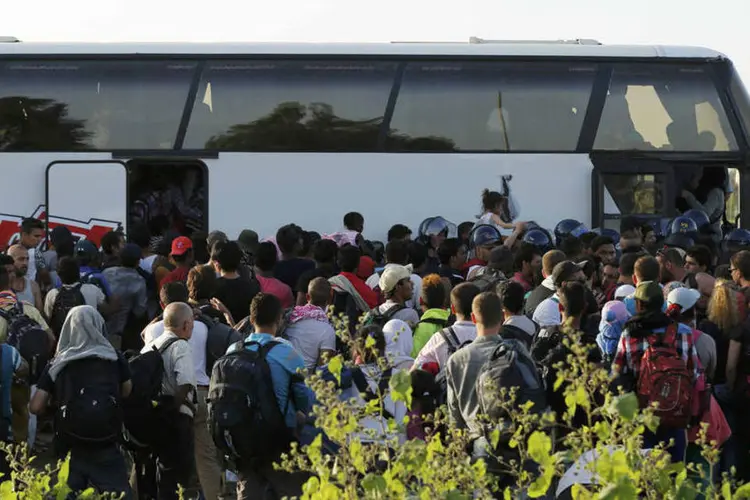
(521,49)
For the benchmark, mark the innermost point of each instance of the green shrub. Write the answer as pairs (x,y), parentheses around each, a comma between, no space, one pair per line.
(440,468)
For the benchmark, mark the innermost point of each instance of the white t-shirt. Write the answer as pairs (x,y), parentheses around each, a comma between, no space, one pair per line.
(178,366)
(197,346)
(408,315)
(92,296)
(436,350)
(31,273)
(547,313)
(309,337)
(416,281)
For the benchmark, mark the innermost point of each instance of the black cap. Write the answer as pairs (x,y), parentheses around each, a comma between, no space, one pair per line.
(60,234)
(564,271)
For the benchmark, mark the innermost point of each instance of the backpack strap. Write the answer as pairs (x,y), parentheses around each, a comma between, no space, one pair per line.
(390,313)
(167,344)
(434,321)
(360,381)
(449,335)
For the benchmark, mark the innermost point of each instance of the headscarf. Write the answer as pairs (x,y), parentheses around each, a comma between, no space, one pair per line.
(82,337)
(399,341)
(614,316)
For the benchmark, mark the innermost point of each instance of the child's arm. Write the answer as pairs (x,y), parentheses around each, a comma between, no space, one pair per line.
(500,222)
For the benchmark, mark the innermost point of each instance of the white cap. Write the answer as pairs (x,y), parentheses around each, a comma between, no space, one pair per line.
(391,276)
(624,291)
(686,298)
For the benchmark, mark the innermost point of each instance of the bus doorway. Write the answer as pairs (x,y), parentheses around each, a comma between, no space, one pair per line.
(169,196)
(656,189)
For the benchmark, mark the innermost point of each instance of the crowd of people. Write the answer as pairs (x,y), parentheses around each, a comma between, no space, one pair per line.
(160,359)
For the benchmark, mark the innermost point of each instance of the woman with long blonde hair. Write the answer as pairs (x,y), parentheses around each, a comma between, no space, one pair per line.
(724,324)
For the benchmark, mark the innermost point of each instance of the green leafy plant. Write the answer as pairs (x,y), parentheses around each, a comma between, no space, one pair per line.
(378,465)
(26,481)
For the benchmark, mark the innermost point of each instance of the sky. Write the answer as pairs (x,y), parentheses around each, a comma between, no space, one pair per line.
(676,22)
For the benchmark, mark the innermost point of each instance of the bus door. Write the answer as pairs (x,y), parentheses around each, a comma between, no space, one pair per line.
(89,197)
(631,185)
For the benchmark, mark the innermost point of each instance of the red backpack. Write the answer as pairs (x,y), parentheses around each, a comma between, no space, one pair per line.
(665,379)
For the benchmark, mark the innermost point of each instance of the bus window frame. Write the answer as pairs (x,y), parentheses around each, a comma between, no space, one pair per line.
(590,126)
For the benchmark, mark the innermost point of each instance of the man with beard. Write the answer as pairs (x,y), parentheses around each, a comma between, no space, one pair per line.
(671,265)
(24,287)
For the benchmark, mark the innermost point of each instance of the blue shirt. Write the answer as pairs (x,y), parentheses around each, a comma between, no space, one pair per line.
(629,302)
(284,363)
(97,277)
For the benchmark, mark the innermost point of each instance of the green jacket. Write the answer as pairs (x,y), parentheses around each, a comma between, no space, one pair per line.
(432,321)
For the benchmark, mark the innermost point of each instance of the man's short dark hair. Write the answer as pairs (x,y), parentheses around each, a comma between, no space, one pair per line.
(647,268)
(353,221)
(110,241)
(349,256)
(627,263)
(397,252)
(265,309)
(201,283)
(487,309)
(433,292)
(741,262)
(4,279)
(448,249)
(701,254)
(462,296)
(629,225)
(68,270)
(228,255)
(571,246)
(6,260)
(587,238)
(398,232)
(289,238)
(140,235)
(324,251)
(30,224)
(511,295)
(417,254)
(573,298)
(66,248)
(266,256)
(600,241)
(525,253)
(176,291)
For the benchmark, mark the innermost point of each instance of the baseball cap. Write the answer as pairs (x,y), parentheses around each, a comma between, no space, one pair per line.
(181,245)
(649,292)
(85,247)
(391,276)
(684,298)
(131,251)
(624,291)
(564,271)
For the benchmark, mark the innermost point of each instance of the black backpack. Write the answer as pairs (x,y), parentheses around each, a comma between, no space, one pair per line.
(510,365)
(244,418)
(218,340)
(31,340)
(67,298)
(366,392)
(487,279)
(88,413)
(146,407)
(377,318)
(92,279)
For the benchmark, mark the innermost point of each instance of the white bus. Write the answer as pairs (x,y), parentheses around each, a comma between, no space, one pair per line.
(266,134)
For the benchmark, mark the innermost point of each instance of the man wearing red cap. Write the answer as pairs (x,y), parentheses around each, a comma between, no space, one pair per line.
(182,256)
